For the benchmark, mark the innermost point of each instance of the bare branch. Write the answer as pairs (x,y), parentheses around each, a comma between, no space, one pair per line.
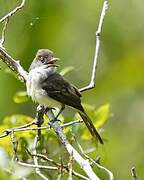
(34,122)
(79,175)
(71,123)
(58,165)
(111,177)
(98,32)
(3,32)
(84,164)
(134,174)
(14,145)
(11,13)
(38,166)
(13,64)
(70,167)
(20,128)
(38,172)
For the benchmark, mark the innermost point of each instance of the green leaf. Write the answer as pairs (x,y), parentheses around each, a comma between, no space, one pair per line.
(16,120)
(20,97)
(98,116)
(101,115)
(23,136)
(66,70)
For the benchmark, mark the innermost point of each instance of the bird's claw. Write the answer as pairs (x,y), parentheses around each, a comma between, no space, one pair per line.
(55,120)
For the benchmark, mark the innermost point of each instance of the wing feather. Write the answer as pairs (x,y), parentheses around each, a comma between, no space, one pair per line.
(61,90)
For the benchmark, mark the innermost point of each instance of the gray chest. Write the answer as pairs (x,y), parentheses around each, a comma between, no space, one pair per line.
(34,87)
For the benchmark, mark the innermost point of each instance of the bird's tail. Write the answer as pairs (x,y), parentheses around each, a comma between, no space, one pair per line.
(90,126)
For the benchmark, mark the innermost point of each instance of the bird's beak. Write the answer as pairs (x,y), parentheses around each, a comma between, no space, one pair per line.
(53,60)
(52,65)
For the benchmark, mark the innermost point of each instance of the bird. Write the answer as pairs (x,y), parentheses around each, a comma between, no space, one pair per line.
(50,89)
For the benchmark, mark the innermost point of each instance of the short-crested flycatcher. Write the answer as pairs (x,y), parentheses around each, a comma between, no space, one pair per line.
(50,89)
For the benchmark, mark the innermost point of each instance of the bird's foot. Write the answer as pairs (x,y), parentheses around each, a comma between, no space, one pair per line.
(55,120)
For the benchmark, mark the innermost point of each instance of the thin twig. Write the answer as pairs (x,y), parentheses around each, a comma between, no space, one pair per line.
(134,174)
(6,19)
(70,167)
(11,13)
(11,63)
(38,172)
(14,145)
(71,123)
(98,32)
(38,166)
(26,127)
(20,128)
(58,165)
(3,32)
(111,177)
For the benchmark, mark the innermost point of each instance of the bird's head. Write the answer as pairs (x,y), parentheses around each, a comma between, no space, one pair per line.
(44,57)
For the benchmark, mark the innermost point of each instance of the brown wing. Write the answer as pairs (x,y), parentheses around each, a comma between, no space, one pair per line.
(61,90)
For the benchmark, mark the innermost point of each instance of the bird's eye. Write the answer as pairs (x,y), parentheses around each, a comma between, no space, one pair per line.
(41,58)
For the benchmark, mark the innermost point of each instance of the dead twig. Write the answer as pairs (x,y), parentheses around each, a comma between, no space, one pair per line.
(14,145)
(37,166)
(134,174)
(11,13)
(98,32)
(20,128)
(57,164)
(111,177)
(38,172)
(70,167)
(34,122)
(3,32)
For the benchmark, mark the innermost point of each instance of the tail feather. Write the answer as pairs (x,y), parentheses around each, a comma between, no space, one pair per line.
(90,126)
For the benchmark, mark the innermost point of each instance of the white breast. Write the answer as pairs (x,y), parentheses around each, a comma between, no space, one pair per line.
(34,90)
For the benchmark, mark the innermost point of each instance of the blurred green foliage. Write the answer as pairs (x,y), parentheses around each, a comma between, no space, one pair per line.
(49,145)
(68,28)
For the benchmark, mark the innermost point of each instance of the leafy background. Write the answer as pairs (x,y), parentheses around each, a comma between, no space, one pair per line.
(68,28)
